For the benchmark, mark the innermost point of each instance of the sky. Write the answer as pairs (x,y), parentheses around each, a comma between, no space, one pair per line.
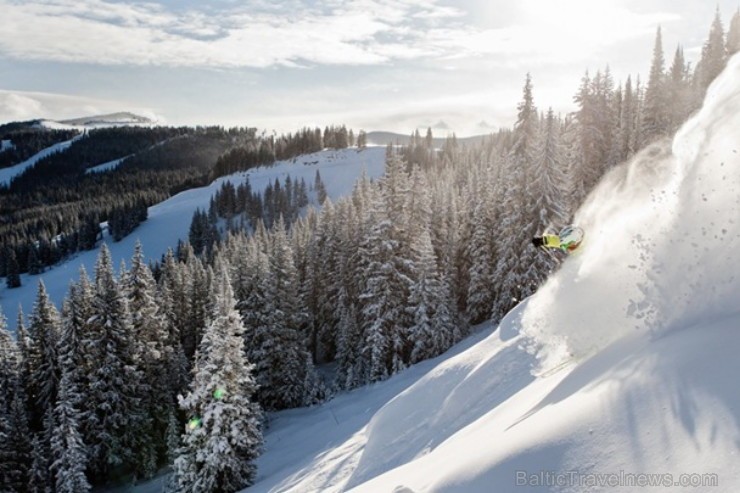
(395,65)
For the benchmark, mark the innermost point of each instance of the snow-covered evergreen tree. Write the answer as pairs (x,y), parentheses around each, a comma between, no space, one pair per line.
(655,119)
(714,54)
(43,359)
(431,332)
(223,436)
(68,450)
(15,435)
(287,365)
(152,353)
(115,379)
(519,226)
(733,34)
(481,253)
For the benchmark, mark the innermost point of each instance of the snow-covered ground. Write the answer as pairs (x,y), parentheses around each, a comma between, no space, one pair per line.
(169,221)
(7,174)
(635,341)
(109,166)
(5,145)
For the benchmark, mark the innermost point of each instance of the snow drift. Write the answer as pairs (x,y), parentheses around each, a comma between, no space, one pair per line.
(662,231)
(634,339)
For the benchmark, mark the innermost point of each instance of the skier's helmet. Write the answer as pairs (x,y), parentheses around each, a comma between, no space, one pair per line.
(570,237)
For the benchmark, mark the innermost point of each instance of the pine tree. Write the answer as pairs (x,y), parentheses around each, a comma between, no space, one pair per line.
(431,332)
(149,330)
(40,477)
(68,450)
(173,293)
(714,55)
(482,258)
(15,455)
(512,267)
(287,366)
(9,365)
(13,279)
(320,188)
(655,112)
(43,359)
(549,184)
(383,298)
(115,378)
(678,90)
(733,34)
(223,437)
(348,342)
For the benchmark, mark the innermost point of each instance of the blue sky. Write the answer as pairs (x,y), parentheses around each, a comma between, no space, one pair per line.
(373,64)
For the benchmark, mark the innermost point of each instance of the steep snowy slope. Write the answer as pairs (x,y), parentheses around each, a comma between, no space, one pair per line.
(635,341)
(169,221)
(7,174)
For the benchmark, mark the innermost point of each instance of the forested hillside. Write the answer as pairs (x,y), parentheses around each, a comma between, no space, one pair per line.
(379,280)
(54,208)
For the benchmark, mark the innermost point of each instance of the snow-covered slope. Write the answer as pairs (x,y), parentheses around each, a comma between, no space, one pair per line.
(635,341)
(7,174)
(169,221)
(109,166)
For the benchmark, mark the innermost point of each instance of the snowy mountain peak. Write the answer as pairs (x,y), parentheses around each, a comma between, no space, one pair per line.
(122,118)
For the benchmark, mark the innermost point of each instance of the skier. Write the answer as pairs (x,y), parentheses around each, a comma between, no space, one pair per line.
(567,240)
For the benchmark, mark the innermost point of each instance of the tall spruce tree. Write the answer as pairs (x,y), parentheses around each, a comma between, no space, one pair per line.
(714,54)
(223,437)
(520,224)
(68,450)
(150,338)
(115,378)
(12,270)
(43,358)
(733,34)
(655,119)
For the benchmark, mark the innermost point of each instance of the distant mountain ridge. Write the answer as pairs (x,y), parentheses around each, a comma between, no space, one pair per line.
(385,138)
(119,118)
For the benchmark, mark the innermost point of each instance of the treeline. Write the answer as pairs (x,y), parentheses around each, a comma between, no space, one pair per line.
(25,142)
(243,209)
(48,212)
(271,149)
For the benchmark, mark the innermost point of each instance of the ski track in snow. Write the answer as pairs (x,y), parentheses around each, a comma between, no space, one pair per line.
(109,166)
(169,221)
(7,174)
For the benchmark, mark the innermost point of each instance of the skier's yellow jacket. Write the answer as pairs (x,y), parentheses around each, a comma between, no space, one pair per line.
(551,241)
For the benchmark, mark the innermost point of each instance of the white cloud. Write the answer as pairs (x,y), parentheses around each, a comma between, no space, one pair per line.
(98,31)
(21,105)
(301,32)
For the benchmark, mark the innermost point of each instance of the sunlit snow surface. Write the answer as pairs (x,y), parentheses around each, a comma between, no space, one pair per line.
(169,221)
